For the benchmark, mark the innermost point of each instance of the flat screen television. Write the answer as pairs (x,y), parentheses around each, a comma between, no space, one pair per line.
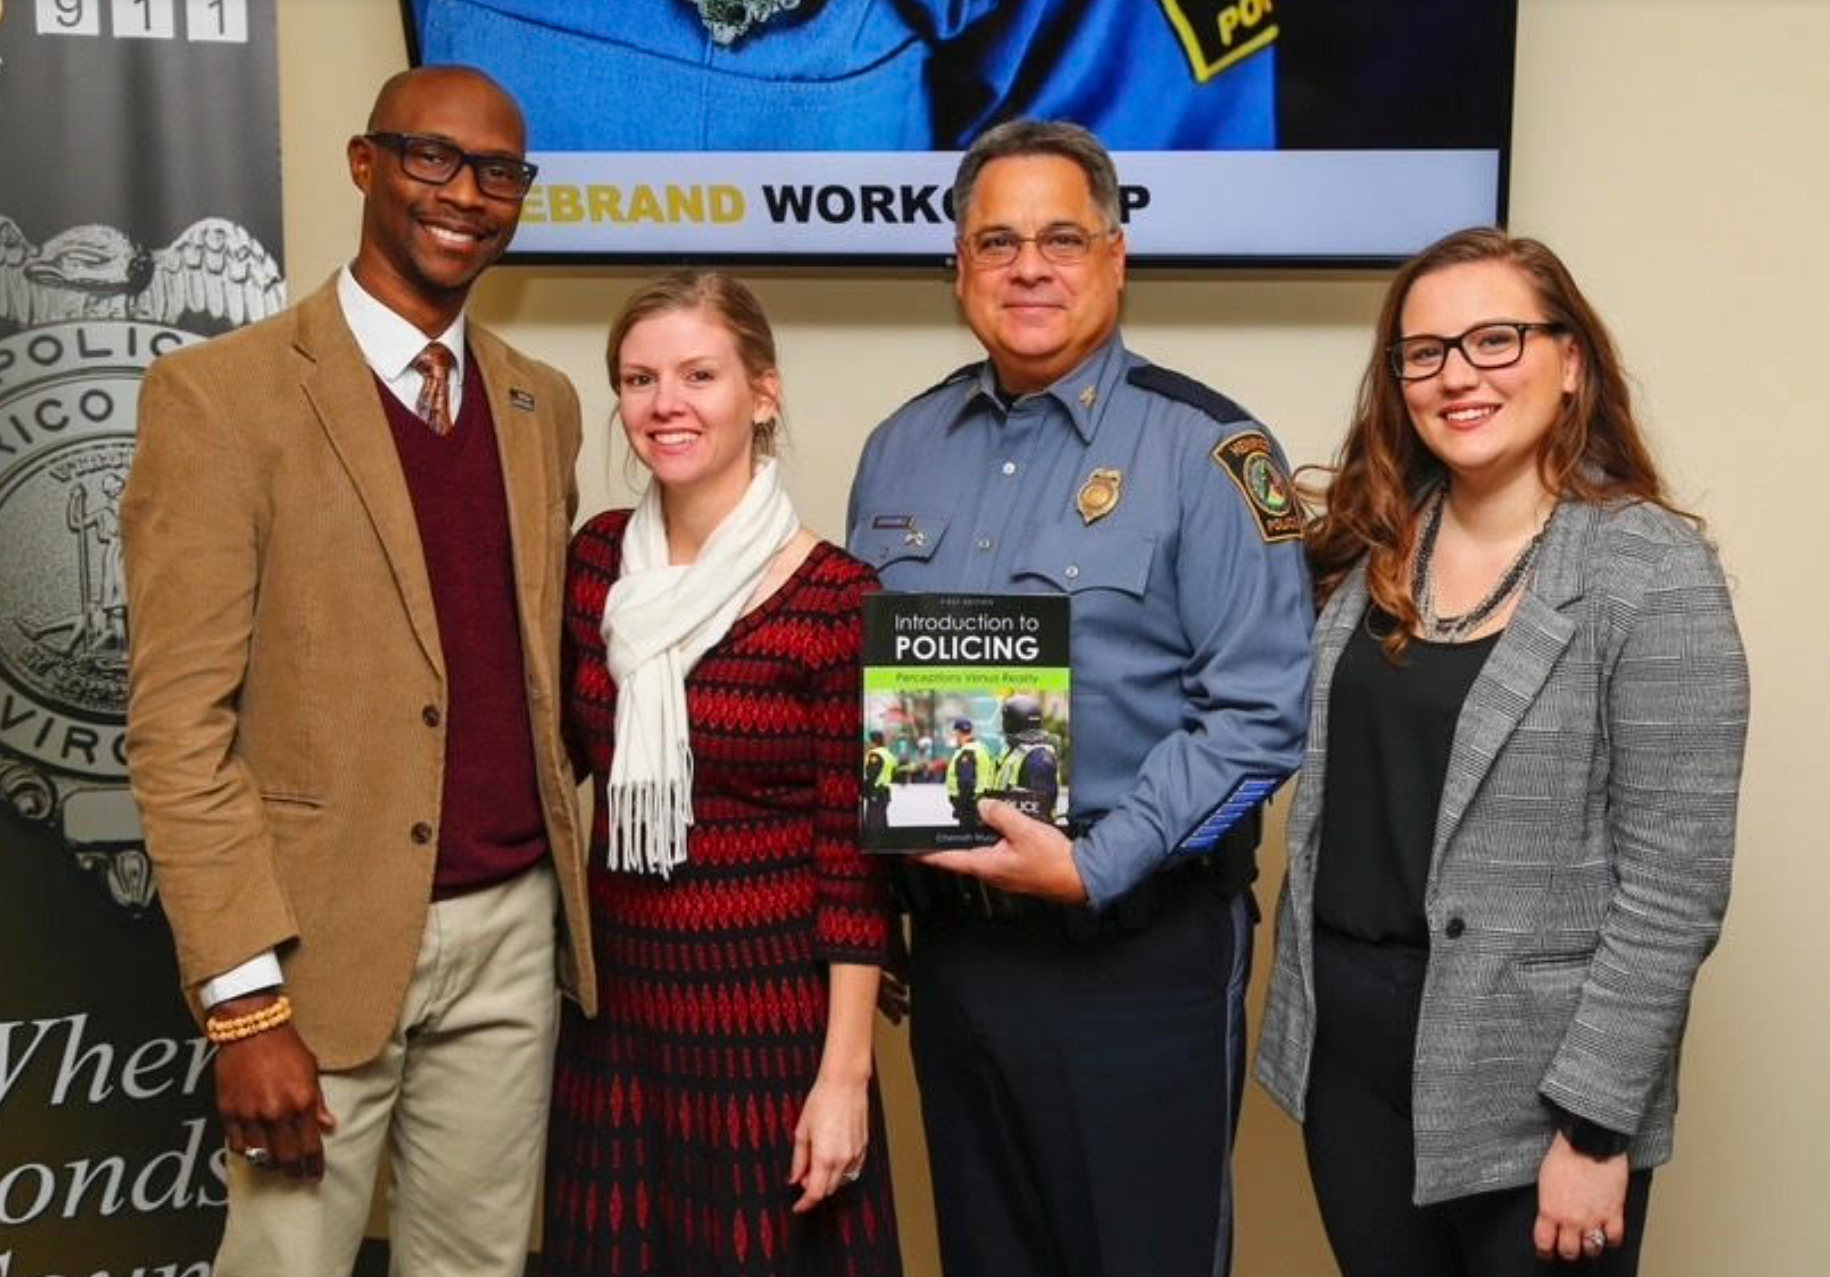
(1261,133)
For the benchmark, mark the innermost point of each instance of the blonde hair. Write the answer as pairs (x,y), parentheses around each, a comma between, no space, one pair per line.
(734,305)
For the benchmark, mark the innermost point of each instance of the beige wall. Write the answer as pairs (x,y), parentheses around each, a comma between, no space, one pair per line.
(1674,152)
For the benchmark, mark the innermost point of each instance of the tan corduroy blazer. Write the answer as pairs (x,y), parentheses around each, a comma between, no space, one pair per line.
(287,695)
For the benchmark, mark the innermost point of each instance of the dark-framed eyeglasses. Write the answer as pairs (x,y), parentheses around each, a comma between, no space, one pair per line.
(1496,345)
(434,160)
(1064,244)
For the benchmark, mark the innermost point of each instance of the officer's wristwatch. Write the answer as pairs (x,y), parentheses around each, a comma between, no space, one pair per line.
(1591,1139)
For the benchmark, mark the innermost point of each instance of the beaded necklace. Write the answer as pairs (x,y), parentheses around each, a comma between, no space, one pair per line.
(1453,629)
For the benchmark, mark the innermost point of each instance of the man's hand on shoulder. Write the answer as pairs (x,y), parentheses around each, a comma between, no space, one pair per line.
(267,1093)
(1032,858)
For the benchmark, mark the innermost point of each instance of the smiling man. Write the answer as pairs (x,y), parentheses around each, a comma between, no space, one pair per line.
(1078,994)
(344,532)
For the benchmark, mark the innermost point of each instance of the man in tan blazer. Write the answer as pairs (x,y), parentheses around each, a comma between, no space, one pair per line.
(344,556)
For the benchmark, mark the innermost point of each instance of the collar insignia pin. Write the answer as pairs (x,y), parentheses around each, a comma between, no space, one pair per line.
(521,399)
(1089,396)
(1099,495)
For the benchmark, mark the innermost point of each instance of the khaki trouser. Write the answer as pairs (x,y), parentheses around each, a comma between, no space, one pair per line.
(457,1098)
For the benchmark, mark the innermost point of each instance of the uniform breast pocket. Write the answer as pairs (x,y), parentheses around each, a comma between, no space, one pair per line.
(1076,559)
(885,537)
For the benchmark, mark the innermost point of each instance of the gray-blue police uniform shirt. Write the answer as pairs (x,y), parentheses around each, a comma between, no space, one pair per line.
(1190,599)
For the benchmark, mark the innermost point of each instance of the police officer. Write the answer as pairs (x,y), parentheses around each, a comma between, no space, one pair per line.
(879,770)
(969,771)
(1029,774)
(1079,1011)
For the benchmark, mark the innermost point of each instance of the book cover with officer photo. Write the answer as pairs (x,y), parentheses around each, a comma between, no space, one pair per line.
(965,697)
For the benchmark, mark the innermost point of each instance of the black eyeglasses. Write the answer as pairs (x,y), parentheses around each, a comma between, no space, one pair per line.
(1064,245)
(1498,345)
(434,160)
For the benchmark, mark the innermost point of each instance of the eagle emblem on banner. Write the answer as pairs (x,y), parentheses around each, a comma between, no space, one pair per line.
(82,315)
(215,268)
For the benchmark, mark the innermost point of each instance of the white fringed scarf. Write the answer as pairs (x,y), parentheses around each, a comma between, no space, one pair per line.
(658,621)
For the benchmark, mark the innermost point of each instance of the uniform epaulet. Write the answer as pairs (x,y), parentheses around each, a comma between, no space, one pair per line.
(1185,389)
(1247,456)
(958,374)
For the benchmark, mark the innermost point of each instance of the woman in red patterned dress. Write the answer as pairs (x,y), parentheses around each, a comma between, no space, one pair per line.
(719,1116)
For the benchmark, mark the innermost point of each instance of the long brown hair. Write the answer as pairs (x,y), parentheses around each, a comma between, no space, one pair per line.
(734,306)
(1370,507)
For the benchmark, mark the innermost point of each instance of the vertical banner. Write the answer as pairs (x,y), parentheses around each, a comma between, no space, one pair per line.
(139,211)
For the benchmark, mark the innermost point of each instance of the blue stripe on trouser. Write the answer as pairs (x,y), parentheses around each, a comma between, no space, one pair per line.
(1244,915)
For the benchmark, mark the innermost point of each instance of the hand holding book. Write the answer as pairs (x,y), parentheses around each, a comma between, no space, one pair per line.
(1030,857)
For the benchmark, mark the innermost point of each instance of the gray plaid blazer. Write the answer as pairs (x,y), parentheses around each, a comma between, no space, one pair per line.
(1584,844)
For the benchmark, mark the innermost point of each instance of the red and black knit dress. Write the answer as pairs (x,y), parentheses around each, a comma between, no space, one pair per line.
(673,1113)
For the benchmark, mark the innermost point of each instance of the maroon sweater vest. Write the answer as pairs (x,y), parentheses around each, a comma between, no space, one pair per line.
(491,825)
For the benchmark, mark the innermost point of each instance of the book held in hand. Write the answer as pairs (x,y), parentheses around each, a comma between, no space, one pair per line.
(965,697)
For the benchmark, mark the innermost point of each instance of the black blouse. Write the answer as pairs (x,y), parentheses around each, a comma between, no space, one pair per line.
(1390,730)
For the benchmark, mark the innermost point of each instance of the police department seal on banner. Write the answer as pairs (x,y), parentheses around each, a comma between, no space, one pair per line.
(68,394)
(93,310)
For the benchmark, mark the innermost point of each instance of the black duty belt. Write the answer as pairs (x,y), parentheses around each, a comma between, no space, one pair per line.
(1228,869)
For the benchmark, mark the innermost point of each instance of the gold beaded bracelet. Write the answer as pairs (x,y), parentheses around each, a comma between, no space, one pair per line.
(235,1028)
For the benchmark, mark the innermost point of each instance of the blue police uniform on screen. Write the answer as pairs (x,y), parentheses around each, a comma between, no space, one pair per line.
(623,75)
(1165,76)
(649,75)
(1160,509)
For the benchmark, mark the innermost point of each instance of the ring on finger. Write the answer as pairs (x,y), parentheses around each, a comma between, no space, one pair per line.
(257,1156)
(1594,1240)
(853,1173)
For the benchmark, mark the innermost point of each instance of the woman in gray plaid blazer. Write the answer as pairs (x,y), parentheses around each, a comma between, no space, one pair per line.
(1511,840)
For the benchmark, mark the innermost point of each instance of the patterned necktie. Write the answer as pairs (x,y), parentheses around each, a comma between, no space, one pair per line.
(433,364)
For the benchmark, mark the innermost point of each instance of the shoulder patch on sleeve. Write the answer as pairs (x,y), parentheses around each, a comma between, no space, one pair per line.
(1216,36)
(1252,466)
(1185,389)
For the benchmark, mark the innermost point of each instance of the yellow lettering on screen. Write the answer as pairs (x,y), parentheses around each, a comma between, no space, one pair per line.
(606,203)
(1216,38)
(1247,14)
(600,203)
(727,204)
(644,207)
(563,204)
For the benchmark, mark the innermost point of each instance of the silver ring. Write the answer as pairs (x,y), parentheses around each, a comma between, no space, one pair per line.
(1595,1239)
(257,1156)
(853,1174)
